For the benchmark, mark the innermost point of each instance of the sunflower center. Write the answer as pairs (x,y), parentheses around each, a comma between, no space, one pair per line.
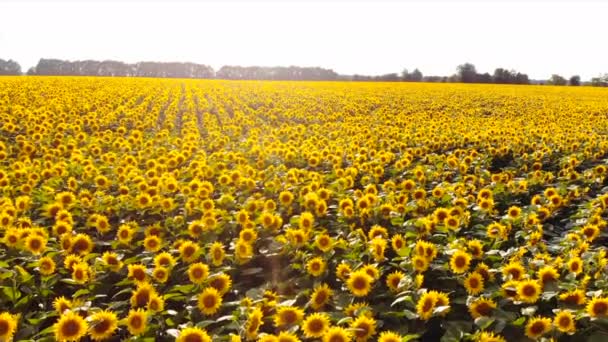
(529,290)
(70,328)
(209,301)
(362,330)
(359,283)
(564,321)
(136,322)
(460,262)
(4,327)
(315,326)
(600,308)
(537,328)
(193,338)
(289,317)
(102,326)
(474,283)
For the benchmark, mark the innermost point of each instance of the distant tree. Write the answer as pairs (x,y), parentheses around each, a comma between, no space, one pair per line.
(484,78)
(9,67)
(600,81)
(467,73)
(414,76)
(575,80)
(557,80)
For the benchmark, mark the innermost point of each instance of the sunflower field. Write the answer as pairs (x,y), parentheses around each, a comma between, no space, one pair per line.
(207,210)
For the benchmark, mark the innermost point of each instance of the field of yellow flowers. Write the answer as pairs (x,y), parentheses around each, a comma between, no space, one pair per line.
(191,210)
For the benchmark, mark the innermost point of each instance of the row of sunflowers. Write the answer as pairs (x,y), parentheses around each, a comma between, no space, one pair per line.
(195,211)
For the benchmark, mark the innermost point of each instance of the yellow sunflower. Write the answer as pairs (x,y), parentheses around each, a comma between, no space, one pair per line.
(337,334)
(70,327)
(529,291)
(320,296)
(537,327)
(103,324)
(209,301)
(288,315)
(564,321)
(137,321)
(597,307)
(315,325)
(359,283)
(8,326)
(474,283)
(460,261)
(193,334)
(364,328)
(482,307)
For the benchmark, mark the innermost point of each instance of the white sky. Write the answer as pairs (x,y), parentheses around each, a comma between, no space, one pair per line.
(365,37)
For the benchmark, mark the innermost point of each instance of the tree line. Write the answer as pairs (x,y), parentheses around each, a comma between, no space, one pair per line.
(465,73)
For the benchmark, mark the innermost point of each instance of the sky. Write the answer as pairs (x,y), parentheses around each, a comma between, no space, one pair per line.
(539,38)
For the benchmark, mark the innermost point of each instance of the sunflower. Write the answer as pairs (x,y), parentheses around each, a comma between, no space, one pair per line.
(156,303)
(564,321)
(324,243)
(574,297)
(141,295)
(307,220)
(476,248)
(125,234)
(481,307)
(288,315)
(474,283)
(103,324)
(62,304)
(8,325)
(164,259)
(575,265)
(426,305)
(285,336)
(35,244)
(152,243)
(397,242)
(364,328)
(460,261)
(343,271)
(529,291)
(217,253)
(46,266)
(209,301)
(359,283)
(221,282)
(243,251)
(389,336)
(547,274)
(137,321)
(137,272)
(597,307)
(315,325)
(112,261)
(253,324)
(320,296)
(315,266)
(337,334)
(193,334)
(189,251)
(82,244)
(485,336)
(514,270)
(420,263)
(198,273)
(372,271)
(393,280)
(537,327)
(70,327)
(248,235)
(81,273)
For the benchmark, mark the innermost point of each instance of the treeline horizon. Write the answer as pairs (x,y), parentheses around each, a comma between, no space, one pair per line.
(465,73)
